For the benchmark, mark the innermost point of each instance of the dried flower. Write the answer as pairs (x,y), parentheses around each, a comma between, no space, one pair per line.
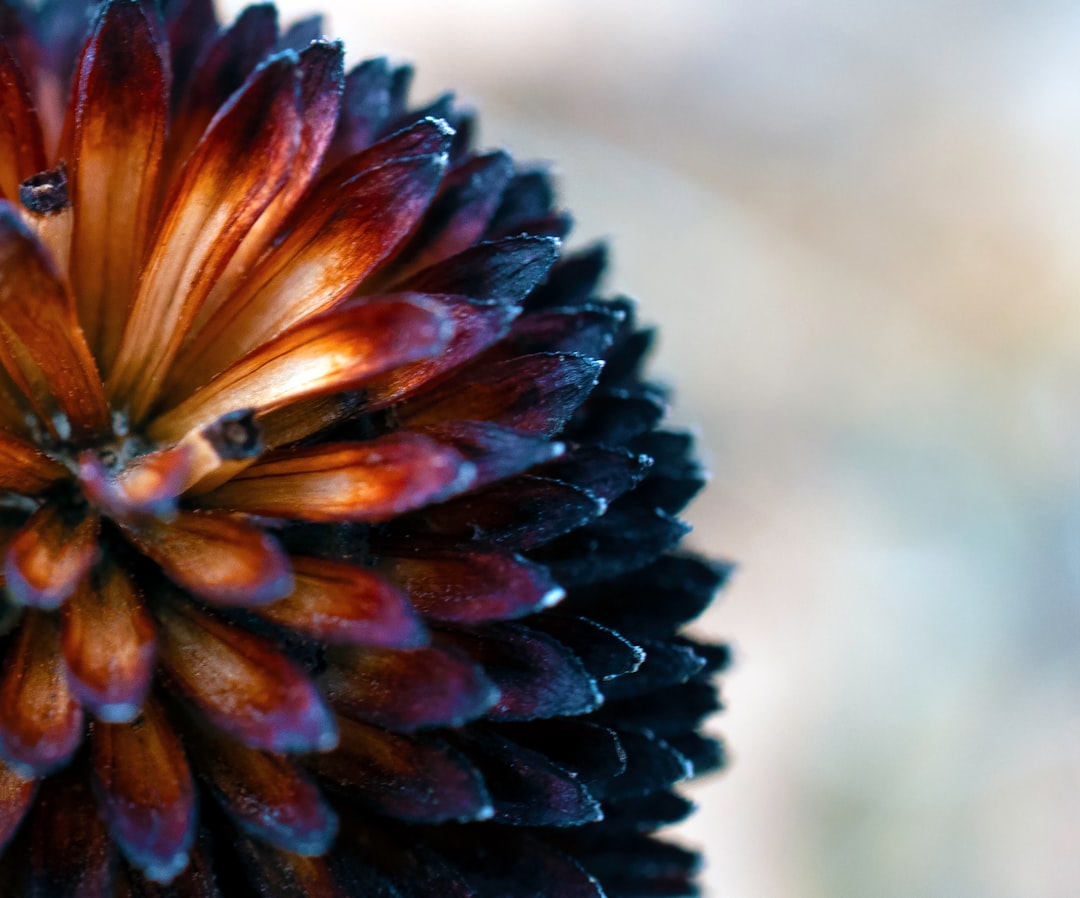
(339,535)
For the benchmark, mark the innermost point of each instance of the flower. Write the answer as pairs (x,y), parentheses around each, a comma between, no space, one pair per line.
(338,522)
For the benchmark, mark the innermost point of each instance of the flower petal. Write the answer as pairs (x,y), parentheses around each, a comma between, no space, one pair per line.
(22,150)
(336,351)
(217,557)
(41,722)
(146,792)
(211,208)
(343,603)
(49,557)
(43,347)
(242,684)
(419,779)
(24,469)
(123,106)
(496,452)
(16,795)
(272,871)
(108,645)
(367,482)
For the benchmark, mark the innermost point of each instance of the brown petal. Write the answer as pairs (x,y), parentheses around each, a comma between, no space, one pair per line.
(108,644)
(344,603)
(22,151)
(335,351)
(16,796)
(242,684)
(24,469)
(276,872)
(123,104)
(50,556)
(147,792)
(43,347)
(231,177)
(368,482)
(41,723)
(217,557)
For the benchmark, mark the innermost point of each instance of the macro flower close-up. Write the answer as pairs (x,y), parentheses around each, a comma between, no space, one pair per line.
(341,540)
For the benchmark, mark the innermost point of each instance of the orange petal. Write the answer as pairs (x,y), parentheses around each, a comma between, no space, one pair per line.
(336,351)
(23,469)
(217,557)
(16,796)
(22,151)
(147,792)
(41,722)
(231,177)
(242,684)
(368,482)
(108,645)
(122,109)
(50,556)
(43,347)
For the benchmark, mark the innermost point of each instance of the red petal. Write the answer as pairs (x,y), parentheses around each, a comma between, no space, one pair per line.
(242,684)
(496,452)
(406,690)
(22,150)
(123,105)
(473,587)
(210,210)
(339,350)
(43,347)
(24,469)
(343,603)
(147,792)
(108,644)
(49,557)
(16,796)
(41,723)
(217,557)
(367,482)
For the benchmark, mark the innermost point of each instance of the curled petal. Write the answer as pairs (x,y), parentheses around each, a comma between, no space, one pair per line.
(147,792)
(49,557)
(367,482)
(108,645)
(217,557)
(242,684)
(16,795)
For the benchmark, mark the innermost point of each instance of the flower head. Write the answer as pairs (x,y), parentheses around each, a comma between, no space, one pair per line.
(338,524)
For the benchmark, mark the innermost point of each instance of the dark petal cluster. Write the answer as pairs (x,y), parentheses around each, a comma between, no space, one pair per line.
(339,522)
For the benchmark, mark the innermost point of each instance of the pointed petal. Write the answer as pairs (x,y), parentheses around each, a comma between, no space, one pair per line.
(108,645)
(407,690)
(267,795)
(473,587)
(367,482)
(343,603)
(118,141)
(49,557)
(420,780)
(496,452)
(22,150)
(190,26)
(242,684)
(43,346)
(24,469)
(16,795)
(208,213)
(335,351)
(41,723)
(217,557)
(146,792)
(272,871)
(364,110)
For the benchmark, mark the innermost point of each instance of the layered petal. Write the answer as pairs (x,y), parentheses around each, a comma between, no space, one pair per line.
(49,557)
(16,795)
(25,469)
(22,150)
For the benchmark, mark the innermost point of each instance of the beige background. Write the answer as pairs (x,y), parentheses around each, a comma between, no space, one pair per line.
(856,223)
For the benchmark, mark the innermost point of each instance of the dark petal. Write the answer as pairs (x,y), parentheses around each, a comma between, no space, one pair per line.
(364,109)
(473,587)
(301,33)
(704,753)
(22,149)
(649,812)
(528,197)
(407,690)
(526,788)
(217,557)
(195,881)
(652,764)
(605,654)
(267,795)
(537,676)
(634,866)
(343,603)
(573,281)
(190,25)
(666,712)
(416,870)
(108,644)
(117,147)
(496,452)
(43,347)
(505,269)
(41,722)
(666,664)
(70,852)
(616,416)
(285,874)
(606,473)
(49,557)
(242,684)
(366,482)
(146,792)
(588,751)
(426,137)
(418,779)
(24,469)
(676,477)
(210,210)
(586,330)
(16,796)
(536,393)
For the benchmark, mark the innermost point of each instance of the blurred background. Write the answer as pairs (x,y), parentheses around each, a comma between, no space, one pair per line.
(856,224)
